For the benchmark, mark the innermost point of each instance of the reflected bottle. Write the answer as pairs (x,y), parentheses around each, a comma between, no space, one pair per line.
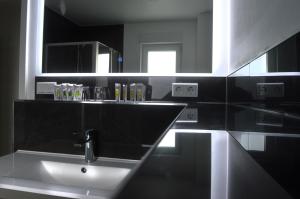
(117,92)
(132,92)
(124,88)
(140,92)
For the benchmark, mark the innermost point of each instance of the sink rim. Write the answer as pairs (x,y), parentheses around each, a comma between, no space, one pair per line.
(14,182)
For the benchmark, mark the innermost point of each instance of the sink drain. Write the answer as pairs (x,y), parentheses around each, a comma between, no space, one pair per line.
(83,170)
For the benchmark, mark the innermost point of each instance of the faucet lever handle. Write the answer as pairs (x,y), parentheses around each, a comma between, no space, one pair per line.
(82,140)
(90,131)
(89,134)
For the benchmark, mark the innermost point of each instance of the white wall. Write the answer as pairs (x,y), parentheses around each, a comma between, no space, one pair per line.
(258,25)
(204,43)
(184,32)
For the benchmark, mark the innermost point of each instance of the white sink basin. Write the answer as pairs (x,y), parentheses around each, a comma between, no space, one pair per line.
(81,175)
(62,175)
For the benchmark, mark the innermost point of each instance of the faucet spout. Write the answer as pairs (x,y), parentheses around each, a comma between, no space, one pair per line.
(90,146)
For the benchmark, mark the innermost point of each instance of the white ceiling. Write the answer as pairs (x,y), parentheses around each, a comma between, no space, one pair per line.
(104,12)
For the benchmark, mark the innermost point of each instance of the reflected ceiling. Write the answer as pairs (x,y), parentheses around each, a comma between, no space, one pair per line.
(102,12)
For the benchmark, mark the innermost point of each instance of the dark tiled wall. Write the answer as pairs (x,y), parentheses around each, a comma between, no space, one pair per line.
(123,130)
(210,89)
(242,89)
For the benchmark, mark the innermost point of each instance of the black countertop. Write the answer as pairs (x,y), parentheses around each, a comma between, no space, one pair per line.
(230,152)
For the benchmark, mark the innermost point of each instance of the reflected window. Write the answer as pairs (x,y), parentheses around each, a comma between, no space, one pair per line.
(259,66)
(252,142)
(103,63)
(160,58)
(169,140)
(161,62)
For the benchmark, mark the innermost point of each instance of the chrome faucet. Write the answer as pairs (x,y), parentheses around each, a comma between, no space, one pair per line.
(90,146)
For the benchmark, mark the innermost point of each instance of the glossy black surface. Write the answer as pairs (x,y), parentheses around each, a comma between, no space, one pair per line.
(278,154)
(203,116)
(210,89)
(285,56)
(202,164)
(181,171)
(270,135)
(123,130)
(242,89)
(252,157)
(282,118)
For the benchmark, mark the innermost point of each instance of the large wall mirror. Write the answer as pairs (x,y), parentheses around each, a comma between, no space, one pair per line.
(134,36)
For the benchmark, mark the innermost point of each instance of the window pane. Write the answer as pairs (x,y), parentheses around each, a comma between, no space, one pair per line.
(103,63)
(161,62)
(259,65)
(169,140)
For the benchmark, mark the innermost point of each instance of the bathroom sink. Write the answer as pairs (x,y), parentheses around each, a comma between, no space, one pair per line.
(81,175)
(62,175)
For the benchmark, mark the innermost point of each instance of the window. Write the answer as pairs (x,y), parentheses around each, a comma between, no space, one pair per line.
(259,66)
(160,58)
(103,63)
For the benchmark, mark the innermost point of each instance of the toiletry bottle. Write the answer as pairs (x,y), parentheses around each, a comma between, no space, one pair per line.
(58,93)
(140,92)
(70,90)
(124,87)
(78,92)
(86,94)
(64,91)
(97,93)
(117,92)
(132,92)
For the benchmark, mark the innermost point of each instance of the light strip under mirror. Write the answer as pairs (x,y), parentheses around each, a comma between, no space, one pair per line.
(128,74)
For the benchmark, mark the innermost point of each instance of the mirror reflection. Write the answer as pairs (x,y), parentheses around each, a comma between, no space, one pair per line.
(136,36)
(284,57)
